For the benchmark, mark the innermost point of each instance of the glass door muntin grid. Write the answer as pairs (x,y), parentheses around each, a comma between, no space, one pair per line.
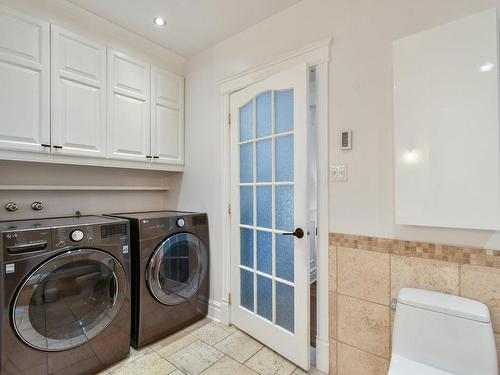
(255,181)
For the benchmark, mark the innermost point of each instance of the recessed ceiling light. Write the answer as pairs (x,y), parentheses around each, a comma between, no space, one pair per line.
(160,21)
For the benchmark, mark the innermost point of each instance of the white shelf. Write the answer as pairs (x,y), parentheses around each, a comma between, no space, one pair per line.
(82,188)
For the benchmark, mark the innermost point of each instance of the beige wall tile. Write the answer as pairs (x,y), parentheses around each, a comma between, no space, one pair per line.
(483,284)
(352,361)
(408,272)
(363,324)
(333,357)
(364,274)
(332,268)
(332,312)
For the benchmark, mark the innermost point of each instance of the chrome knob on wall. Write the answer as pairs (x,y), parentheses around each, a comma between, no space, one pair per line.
(11,206)
(37,206)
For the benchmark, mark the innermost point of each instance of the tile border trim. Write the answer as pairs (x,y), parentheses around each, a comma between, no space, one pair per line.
(425,250)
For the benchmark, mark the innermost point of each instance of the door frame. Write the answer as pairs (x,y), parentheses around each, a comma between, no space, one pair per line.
(316,54)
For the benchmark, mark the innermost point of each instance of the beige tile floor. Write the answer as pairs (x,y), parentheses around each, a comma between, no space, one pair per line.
(206,348)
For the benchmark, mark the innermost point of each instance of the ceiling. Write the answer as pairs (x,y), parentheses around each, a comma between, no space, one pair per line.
(192,25)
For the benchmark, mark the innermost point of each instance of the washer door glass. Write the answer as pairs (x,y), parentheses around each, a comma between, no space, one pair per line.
(69,299)
(177,268)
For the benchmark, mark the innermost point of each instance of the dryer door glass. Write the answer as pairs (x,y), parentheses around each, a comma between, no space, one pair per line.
(69,299)
(177,268)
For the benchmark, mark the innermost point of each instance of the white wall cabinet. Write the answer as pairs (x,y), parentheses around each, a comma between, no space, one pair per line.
(167,117)
(446,125)
(129,128)
(24,77)
(69,100)
(78,95)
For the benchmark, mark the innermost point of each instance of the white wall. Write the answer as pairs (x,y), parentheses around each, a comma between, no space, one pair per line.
(67,15)
(71,17)
(360,99)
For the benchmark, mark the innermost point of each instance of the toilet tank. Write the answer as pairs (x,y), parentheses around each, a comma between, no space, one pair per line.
(446,332)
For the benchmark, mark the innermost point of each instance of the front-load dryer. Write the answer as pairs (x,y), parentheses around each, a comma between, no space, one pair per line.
(66,295)
(170,263)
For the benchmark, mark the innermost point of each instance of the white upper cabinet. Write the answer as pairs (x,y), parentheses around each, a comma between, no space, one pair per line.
(446,125)
(78,95)
(167,117)
(24,77)
(66,99)
(129,127)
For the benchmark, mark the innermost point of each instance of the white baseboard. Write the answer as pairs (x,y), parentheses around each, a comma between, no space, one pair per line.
(218,311)
(214,310)
(322,355)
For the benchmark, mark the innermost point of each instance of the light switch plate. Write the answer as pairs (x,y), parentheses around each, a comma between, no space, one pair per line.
(338,172)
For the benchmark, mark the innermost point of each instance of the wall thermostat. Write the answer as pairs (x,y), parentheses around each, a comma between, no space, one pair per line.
(345,139)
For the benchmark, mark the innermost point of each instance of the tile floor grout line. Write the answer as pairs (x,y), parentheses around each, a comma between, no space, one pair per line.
(263,347)
(220,359)
(187,334)
(363,350)
(253,355)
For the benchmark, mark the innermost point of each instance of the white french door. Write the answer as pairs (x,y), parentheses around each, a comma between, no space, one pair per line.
(269,249)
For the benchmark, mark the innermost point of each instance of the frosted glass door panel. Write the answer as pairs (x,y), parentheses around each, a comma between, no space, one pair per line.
(446,130)
(266,177)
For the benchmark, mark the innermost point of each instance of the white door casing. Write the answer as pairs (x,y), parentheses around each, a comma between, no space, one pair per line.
(128,108)
(24,77)
(78,95)
(167,117)
(269,302)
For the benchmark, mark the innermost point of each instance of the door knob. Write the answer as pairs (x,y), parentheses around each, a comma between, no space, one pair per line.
(299,233)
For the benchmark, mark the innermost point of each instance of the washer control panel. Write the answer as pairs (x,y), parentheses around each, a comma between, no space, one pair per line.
(180,223)
(76,235)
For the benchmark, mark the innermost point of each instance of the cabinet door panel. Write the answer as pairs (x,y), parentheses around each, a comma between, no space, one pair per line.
(129,108)
(24,77)
(128,134)
(78,95)
(167,133)
(167,122)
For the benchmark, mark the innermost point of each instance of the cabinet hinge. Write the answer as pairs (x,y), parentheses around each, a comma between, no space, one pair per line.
(229,209)
(229,298)
(229,118)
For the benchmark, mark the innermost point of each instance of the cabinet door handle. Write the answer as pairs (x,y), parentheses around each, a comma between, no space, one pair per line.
(57,146)
(156,157)
(148,156)
(44,145)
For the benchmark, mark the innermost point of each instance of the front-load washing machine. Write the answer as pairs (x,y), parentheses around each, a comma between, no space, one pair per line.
(170,263)
(66,295)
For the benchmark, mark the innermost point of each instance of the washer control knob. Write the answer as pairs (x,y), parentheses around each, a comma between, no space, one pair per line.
(180,223)
(76,235)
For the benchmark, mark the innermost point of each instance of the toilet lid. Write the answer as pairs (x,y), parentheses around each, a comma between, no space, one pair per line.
(403,366)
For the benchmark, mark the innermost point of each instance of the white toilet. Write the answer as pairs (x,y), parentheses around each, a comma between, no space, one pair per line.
(440,334)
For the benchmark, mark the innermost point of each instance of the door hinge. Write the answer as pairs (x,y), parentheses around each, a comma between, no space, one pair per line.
(229,118)
(229,299)
(229,209)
